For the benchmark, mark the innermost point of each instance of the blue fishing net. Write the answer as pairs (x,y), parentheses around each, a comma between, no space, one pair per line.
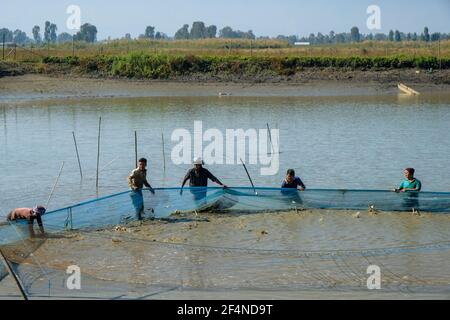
(124,207)
(316,270)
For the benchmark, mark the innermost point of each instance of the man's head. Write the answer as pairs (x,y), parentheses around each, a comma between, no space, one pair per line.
(38,210)
(142,164)
(198,163)
(409,173)
(290,175)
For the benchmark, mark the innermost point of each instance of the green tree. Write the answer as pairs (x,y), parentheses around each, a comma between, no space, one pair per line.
(36,34)
(64,37)
(47,31)
(160,35)
(150,32)
(320,38)
(435,36)
(53,29)
(397,36)
(391,35)
(88,33)
(198,30)
(19,37)
(332,36)
(354,34)
(211,31)
(182,33)
(426,34)
(226,32)
(8,34)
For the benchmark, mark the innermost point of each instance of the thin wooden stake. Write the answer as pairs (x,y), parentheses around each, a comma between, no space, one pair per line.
(270,137)
(98,150)
(163,150)
(249,178)
(78,156)
(135,149)
(54,186)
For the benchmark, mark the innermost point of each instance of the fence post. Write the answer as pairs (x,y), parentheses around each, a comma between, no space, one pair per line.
(71,222)
(15,50)
(98,150)
(4,46)
(135,149)
(439,52)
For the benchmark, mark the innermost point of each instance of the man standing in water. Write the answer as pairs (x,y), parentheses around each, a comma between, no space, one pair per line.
(137,180)
(29,214)
(411,187)
(198,177)
(410,183)
(292,181)
(290,185)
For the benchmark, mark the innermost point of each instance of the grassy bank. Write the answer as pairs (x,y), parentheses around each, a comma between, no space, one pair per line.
(231,47)
(161,66)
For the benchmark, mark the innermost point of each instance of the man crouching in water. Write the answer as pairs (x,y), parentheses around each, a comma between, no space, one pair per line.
(29,214)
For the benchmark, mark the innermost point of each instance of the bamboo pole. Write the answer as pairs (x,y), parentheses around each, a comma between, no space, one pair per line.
(54,186)
(163,151)
(13,274)
(78,156)
(135,149)
(270,137)
(98,150)
(249,178)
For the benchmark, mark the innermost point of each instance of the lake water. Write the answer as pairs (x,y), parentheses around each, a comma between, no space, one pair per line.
(359,142)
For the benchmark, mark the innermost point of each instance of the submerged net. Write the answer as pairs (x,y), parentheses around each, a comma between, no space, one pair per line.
(118,264)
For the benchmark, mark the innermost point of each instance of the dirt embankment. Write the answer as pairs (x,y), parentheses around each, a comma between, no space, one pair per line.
(305,75)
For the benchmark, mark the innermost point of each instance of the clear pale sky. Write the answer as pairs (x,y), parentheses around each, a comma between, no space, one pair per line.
(264,17)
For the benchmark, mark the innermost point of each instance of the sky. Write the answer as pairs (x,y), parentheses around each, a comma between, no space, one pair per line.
(264,17)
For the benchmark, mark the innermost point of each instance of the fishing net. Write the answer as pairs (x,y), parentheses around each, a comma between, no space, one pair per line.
(115,263)
(121,207)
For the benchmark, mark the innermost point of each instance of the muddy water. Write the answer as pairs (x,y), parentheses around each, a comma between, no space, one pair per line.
(319,253)
(332,142)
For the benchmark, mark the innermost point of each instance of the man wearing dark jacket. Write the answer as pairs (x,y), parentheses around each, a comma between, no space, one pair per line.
(198,177)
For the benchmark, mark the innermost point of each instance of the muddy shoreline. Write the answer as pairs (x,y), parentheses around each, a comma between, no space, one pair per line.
(350,76)
(41,87)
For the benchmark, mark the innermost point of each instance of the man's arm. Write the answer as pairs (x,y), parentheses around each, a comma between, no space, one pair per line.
(30,227)
(213,178)
(186,178)
(149,186)
(301,184)
(130,180)
(40,224)
(410,189)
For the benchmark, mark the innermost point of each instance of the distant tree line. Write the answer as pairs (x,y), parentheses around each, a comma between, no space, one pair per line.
(199,30)
(150,33)
(355,36)
(87,33)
